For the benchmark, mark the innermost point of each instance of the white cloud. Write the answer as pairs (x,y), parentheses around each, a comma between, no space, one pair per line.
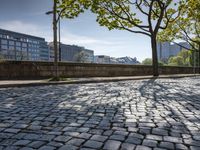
(36,30)
(77,39)
(22,27)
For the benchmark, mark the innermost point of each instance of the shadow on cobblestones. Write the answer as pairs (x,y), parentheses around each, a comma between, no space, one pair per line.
(146,114)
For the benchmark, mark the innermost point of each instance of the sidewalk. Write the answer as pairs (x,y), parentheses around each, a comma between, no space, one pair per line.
(24,83)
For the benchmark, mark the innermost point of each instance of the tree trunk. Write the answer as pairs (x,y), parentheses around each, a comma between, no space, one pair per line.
(154,55)
(55,41)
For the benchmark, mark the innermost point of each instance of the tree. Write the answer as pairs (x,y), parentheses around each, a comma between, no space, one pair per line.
(81,57)
(148,61)
(186,27)
(182,59)
(145,17)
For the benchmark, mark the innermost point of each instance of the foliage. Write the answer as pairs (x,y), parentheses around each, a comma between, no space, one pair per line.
(186,27)
(72,8)
(182,59)
(81,57)
(137,16)
(148,61)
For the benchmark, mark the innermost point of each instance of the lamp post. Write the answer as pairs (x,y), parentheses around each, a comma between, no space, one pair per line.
(55,42)
(56,21)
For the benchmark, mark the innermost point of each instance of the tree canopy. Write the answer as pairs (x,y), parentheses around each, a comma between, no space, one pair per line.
(183,58)
(186,27)
(145,17)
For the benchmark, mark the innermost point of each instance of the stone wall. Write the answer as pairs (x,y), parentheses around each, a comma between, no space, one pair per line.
(28,69)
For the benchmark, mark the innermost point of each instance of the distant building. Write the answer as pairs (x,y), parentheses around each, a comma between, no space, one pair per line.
(165,50)
(102,59)
(124,60)
(73,53)
(18,46)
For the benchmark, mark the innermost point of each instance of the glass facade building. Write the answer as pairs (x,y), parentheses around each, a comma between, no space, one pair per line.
(18,46)
(72,53)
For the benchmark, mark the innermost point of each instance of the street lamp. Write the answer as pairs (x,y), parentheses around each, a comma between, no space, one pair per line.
(59,34)
(55,42)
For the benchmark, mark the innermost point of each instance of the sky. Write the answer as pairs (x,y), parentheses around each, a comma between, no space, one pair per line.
(28,16)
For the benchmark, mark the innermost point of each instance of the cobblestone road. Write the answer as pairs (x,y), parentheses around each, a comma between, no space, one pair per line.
(142,115)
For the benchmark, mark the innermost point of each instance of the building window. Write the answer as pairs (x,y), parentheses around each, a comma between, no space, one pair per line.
(5,36)
(18,48)
(24,49)
(4,42)
(18,44)
(24,44)
(11,47)
(11,43)
(5,47)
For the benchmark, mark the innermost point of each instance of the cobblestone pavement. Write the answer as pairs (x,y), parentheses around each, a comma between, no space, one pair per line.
(141,115)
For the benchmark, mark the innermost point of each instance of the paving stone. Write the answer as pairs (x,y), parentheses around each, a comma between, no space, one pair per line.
(47,137)
(12,130)
(47,148)
(7,142)
(172,139)
(87,149)
(117,137)
(20,126)
(194,148)
(22,142)
(55,144)
(191,142)
(84,135)
(99,138)
(154,137)
(75,141)
(133,141)
(149,143)
(26,148)
(11,148)
(136,135)
(73,134)
(68,147)
(181,147)
(127,146)
(31,136)
(112,145)
(93,144)
(108,132)
(139,147)
(158,131)
(62,138)
(167,145)
(36,144)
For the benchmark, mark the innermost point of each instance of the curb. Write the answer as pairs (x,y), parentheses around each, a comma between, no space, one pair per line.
(87,81)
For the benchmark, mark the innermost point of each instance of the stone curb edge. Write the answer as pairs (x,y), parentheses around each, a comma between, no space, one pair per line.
(87,81)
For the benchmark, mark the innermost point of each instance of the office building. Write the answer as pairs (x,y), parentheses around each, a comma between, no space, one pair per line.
(18,46)
(72,53)
(165,50)
(102,59)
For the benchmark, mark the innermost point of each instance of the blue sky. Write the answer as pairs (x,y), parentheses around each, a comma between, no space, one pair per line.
(28,16)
